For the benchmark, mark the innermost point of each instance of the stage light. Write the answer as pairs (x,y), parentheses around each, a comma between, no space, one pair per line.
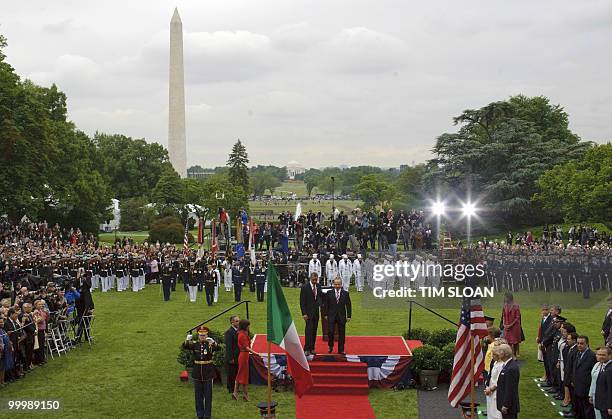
(438,208)
(469,209)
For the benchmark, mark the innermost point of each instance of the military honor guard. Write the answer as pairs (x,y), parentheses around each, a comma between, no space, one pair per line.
(203,371)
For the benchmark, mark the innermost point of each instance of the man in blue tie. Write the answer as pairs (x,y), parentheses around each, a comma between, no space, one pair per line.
(600,394)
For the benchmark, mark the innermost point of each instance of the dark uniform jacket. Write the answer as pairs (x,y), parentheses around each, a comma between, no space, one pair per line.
(231,346)
(202,351)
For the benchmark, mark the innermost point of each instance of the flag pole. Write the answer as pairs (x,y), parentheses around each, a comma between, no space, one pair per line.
(269,381)
(472,395)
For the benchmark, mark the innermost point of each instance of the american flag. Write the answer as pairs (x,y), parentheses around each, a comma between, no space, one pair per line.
(472,327)
(213,244)
(186,239)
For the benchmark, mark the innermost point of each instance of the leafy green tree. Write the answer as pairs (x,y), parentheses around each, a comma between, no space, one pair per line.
(375,190)
(261,181)
(237,163)
(169,191)
(219,192)
(579,191)
(135,214)
(501,150)
(131,167)
(410,186)
(311,179)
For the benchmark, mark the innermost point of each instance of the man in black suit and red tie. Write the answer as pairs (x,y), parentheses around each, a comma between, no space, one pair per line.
(338,308)
(311,297)
(507,384)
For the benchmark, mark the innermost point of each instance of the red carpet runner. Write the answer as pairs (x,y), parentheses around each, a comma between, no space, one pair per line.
(340,391)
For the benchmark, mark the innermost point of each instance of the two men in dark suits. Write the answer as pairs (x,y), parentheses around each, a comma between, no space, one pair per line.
(508,384)
(337,304)
(583,364)
(311,298)
(231,352)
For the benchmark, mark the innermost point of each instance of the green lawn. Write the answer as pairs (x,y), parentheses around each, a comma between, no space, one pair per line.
(132,371)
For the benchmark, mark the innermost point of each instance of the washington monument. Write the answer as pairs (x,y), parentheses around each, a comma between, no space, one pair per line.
(177,148)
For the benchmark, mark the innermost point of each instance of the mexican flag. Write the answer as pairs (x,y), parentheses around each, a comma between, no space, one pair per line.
(282,331)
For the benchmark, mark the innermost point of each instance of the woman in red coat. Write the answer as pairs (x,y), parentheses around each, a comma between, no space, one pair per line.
(244,344)
(511,319)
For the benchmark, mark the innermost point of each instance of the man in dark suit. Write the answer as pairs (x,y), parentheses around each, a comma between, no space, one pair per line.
(585,359)
(605,327)
(310,301)
(231,352)
(507,384)
(545,323)
(338,309)
(603,384)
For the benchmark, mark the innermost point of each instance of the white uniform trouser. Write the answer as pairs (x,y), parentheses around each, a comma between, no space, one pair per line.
(358,280)
(193,293)
(123,283)
(346,282)
(95,280)
(104,283)
(135,283)
(227,280)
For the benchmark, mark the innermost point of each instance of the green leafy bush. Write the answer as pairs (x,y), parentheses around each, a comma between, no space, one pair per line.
(447,356)
(427,357)
(418,333)
(442,337)
(167,230)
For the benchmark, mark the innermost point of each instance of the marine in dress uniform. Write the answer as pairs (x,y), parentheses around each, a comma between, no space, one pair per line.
(203,371)
(260,281)
(210,281)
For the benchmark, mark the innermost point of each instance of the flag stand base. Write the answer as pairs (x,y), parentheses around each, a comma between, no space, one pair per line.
(263,409)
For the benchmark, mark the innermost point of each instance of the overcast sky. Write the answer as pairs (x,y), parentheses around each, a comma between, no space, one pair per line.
(323,82)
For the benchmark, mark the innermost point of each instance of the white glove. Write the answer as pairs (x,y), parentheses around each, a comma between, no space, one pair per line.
(189,336)
(210,340)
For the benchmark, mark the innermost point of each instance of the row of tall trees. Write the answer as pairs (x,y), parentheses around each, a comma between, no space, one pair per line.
(48,168)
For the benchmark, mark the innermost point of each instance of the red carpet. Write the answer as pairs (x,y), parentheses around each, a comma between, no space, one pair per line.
(354,345)
(317,406)
(340,391)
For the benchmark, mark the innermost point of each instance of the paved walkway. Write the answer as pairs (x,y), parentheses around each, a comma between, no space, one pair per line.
(434,404)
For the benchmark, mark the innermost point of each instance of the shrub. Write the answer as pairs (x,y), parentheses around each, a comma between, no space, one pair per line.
(167,230)
(418,333)
(447,357)
(427,357)
(442,337)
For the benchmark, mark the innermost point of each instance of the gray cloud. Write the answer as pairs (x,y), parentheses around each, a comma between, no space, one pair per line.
(324,83)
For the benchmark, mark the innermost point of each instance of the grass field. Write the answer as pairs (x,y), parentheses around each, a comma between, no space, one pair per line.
(131,371)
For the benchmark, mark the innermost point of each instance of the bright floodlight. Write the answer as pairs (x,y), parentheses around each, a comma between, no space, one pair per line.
(438,208)
(469,209)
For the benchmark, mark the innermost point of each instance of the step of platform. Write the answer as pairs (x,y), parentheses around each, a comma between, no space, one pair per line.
(338,367)
(343,378)
(330,389)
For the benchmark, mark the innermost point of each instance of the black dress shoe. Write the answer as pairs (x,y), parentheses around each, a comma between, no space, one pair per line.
(568,415)
(313,353)
(341,353)
(330,350)
(558,397)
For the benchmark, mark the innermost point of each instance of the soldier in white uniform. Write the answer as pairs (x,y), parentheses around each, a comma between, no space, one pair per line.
(314,266)
(331,269)
(345,270)
(358,274)
(227,274)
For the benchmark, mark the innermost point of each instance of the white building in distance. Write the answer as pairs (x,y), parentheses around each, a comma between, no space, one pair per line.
(294,169)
